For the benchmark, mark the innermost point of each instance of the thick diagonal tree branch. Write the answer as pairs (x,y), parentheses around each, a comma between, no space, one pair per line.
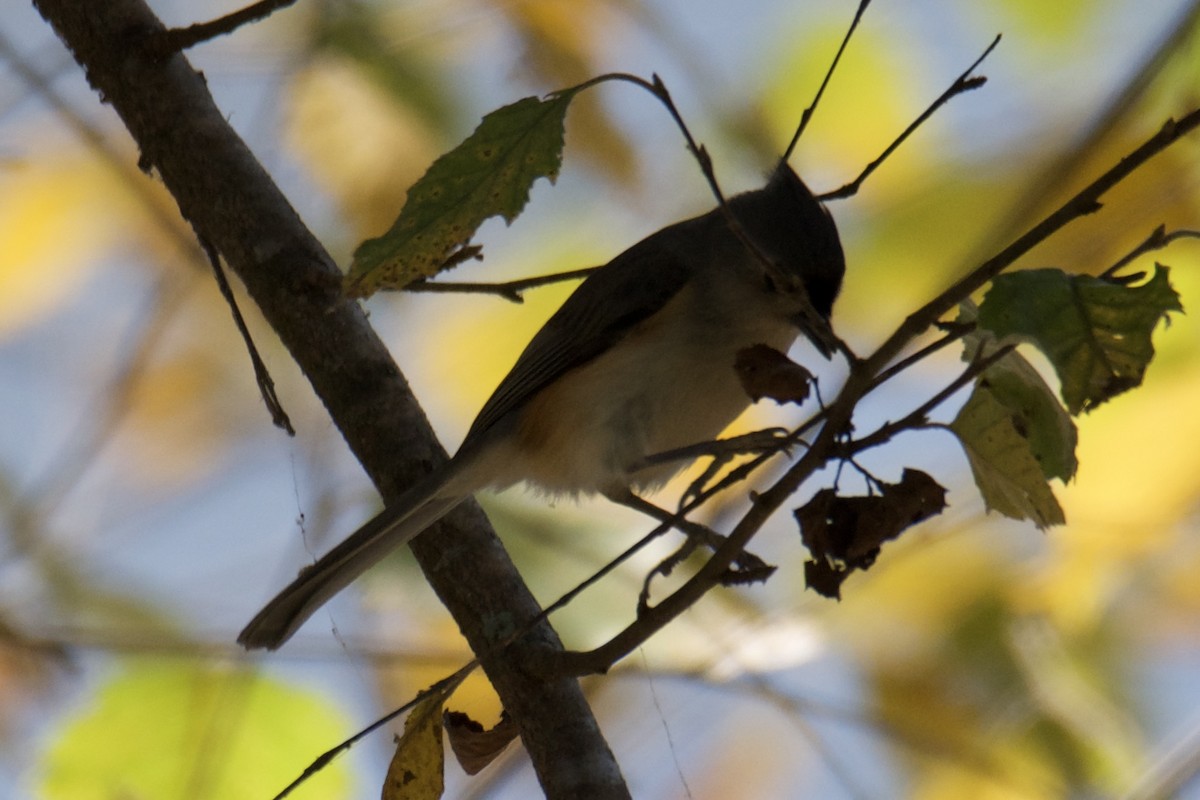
(223,191)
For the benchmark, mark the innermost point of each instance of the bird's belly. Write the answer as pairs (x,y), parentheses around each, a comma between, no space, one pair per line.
(590,430)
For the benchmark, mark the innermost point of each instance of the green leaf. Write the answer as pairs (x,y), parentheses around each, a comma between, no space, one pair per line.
(1095,331)
(1008,476)
(417,768)
(1035,412)
(1036,415)
(488,175)
(166,729)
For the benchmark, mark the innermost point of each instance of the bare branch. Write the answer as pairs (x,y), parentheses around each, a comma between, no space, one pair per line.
(1086,201)
(954,332)
(965,83)
(920,415)
(806,115)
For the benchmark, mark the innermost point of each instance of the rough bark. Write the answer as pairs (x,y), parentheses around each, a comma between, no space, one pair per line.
(232,203)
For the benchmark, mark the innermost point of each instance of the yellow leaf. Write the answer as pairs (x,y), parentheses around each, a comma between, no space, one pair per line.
(1006,472)
(416,771)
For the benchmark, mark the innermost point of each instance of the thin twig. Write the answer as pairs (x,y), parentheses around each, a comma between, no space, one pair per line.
(1155,241)
(806,115)
(768,440)
(696,533)
(954,332)
(445,686)
(266,385)
(919,416)
(965,83)
(509,290)
(179,39)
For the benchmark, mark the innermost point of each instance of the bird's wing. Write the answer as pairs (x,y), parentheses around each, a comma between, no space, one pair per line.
(610,302)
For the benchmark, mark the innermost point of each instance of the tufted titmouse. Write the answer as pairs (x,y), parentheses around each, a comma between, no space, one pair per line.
(637,362)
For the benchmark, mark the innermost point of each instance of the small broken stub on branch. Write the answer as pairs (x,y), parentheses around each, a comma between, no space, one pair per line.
(766,372)
(845,533)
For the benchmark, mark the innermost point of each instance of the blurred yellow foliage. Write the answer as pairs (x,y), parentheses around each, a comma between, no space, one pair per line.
(564,44)
(57,217)
(363,147)
(151,733)
(921,588)
(1024,777)
(177,418)
(1048,23)
(870,101)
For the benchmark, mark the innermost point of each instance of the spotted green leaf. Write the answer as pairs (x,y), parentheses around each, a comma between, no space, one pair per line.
(488,175)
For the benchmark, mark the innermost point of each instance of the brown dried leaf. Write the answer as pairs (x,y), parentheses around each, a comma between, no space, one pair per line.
(845,533)
(766,372)
(473,746)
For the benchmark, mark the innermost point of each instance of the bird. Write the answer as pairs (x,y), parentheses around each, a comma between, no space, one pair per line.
(638,361)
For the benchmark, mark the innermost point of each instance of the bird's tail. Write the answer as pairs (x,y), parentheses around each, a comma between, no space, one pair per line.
(414,511)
